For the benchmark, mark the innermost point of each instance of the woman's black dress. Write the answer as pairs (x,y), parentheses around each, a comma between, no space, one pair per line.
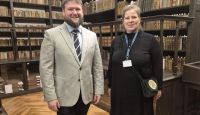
(126,94)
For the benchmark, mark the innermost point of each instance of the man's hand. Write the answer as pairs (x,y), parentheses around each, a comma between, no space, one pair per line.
(97,98)
(54,105)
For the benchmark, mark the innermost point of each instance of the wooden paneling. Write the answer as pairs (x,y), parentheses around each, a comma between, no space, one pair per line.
(171,102)
(193,47)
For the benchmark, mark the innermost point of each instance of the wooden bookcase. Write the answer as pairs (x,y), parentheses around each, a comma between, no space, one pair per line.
(173,87)
(21,34)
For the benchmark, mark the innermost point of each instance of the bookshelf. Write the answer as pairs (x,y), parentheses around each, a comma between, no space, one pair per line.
(106,33)
(182,8)
(22,24)
(174,23)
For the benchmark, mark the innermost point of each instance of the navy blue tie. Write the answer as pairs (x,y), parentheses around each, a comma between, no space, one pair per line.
(77,44)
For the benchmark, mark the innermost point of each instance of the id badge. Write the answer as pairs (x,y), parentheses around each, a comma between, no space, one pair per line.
(127,63)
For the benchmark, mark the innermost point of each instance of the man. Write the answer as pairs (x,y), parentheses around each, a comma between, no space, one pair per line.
(70,64)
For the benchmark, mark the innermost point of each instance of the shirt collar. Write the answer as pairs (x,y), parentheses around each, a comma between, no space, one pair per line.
(70,28)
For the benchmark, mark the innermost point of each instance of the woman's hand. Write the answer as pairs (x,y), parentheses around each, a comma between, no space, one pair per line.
(109,91)
(157,95)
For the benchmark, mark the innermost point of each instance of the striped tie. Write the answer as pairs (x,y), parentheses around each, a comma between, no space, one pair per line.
(77,44)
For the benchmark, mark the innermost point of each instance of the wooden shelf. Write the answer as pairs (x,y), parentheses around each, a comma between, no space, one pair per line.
(5,3)
(166,32)
(5,19)
(30,5)
(167,11)
(171,53)
(31,20)
(106,48)
(56,8)
(5,33)
(20,93)
(100,16)
(22,60)
(182,31)
(6,48)
(25,48)
(31,34)
(58,21)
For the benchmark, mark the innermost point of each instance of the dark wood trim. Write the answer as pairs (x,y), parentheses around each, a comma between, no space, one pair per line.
(25,77)
(164,11)
(30,5)
(20,93)
(21,60)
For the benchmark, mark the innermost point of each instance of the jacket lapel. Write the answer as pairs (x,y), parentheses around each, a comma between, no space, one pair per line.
(84,44)
(70,43)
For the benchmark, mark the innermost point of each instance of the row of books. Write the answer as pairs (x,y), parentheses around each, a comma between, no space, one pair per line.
(43,2)
(168,61)
(57,15)
(103,5)
(145,5)
(32,27)
(21,54)
(104,29)
(5,24)
(56,2)
(4,11)
(150,25)
(98,6)
(5,41)
(107,28)
(33,41)
(120,6)
(26,54)
(22,27)
(6,55)
(148,5)
(33,1)
(106,41)
(24,12)
(155,25)
(169,41)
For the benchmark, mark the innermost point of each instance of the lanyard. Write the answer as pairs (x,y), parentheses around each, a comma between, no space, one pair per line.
(129,47)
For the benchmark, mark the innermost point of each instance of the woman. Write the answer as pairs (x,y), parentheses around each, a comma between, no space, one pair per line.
(144,55)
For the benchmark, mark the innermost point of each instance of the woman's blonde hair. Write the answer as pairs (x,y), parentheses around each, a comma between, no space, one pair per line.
(130,7)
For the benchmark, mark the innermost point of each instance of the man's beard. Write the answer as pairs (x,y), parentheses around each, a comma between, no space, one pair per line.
(71,23)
